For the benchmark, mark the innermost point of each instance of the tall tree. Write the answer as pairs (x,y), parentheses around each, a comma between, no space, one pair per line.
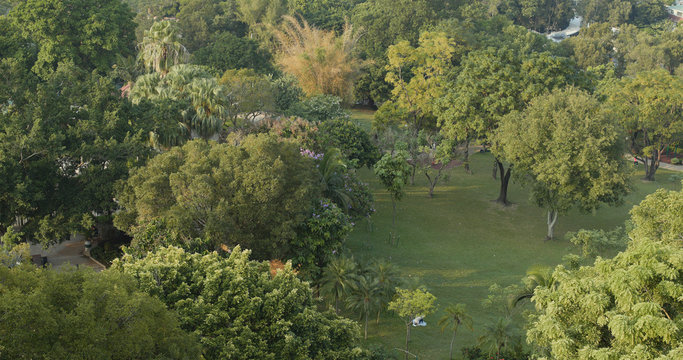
(363,298)
(454,316)
(570,149)
(203,104)
(239,309)
(161,47)
(256,194)
(64,143)
(89,33)
(393,171)
(627,306)
(494,82)
(338,278)
(650,108)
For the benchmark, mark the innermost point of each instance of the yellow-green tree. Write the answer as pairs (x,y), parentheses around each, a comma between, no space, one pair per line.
(628,307)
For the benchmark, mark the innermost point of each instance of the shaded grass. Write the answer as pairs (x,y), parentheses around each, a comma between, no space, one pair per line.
(460,242)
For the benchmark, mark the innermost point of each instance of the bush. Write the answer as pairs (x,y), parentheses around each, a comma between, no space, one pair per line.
(319,108)
(675,161)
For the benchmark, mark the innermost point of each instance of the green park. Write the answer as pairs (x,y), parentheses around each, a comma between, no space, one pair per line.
(341,179)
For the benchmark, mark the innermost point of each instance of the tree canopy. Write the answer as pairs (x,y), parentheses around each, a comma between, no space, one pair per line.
(239,309)
(571,150)
(80,314)
(628,306)
(89,33)
(256,194)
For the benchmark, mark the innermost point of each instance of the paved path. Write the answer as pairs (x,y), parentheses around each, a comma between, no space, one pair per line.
(67,252)
(662,165)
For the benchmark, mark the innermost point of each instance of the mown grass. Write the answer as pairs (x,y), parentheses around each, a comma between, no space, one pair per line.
(460,242)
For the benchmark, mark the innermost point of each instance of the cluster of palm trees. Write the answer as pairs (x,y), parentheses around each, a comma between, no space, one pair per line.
(364,289)
(169,78)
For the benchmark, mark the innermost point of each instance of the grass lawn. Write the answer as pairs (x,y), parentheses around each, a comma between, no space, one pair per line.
(460,242)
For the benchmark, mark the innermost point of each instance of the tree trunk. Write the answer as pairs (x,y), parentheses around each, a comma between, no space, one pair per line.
(407,338)
(412,173)
(552,220)
(651,165)
(494,172)
(466,161)
(367,314)
(452,340)
(336,304)
(504,181)
(393,218)
(378,312)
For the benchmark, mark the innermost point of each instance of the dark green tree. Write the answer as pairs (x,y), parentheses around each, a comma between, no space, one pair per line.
(89,33)
(79,314)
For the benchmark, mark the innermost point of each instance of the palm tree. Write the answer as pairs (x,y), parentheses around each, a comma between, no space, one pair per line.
(363,297)
(337,279)
(455,315)
(388,277)
(498,334)
(332,182)
(209,104)
(161,48)
(537,275)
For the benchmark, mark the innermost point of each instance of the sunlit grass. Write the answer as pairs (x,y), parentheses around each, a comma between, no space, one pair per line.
(460,242)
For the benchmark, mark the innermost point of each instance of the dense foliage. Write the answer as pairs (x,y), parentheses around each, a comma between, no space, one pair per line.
(628,306)
(239,309)
(84,315)
(255,194)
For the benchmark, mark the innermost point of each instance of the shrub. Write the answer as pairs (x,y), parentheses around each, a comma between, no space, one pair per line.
(319,108)
(675,161)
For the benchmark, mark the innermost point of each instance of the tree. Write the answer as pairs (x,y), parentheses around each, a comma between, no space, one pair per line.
(618,12)
(418,76)
(201,20)
(351,139)
(363,298)
(324,14)
(494,82)
(81,314)
(386,21)
(322,62)
(203,103)
(536,276)
(64,143)
(393,171)
(338,278)
(319,108)
(454,316)
(388,278)
(539,15)
(594,46)
(251,94)
(622,307)
(261,15)
(256,194)
(410,304)
(161,48)
(89,33)
(238,308)
(649,107)
(570,149)
(228,51)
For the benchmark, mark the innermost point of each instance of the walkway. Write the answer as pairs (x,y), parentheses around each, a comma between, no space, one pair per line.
(67,252)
